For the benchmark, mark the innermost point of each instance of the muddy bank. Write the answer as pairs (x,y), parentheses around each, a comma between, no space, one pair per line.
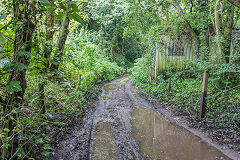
(124,125)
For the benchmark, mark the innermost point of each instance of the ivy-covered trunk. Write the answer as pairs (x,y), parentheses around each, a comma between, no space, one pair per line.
(235,3)
(204,48)
(223,29)
(227,33)
(24,28)
(61,42)
(47,53)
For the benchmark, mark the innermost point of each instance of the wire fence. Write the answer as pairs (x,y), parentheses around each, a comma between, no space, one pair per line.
(29,127)
(177,63)
(33,129)
(14,116)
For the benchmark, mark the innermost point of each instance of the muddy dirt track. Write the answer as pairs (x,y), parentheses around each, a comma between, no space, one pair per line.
(124,125)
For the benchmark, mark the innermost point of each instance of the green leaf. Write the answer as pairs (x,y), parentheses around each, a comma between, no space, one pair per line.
(3,62)
(2,39)
(75,16)
(59,15)
(62,6)
(8,67)
(2,135)
(31,98)
(21,7)
(47,139)
(14,86)
(53,4)
(20,66)
(19,23)
(6,129)
(6,145)
(25,53)
(39,140)
(3,16)
(17,66)
(60,123)
(20,152)
(47,146)
(46,153)
(44,2)
(74,6)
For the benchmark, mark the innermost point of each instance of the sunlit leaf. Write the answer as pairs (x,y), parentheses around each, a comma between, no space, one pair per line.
(2,39)
(14,86)
(75,16)
(25,53)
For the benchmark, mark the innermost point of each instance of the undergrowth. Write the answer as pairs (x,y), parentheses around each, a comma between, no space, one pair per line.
(67,94)
(223,113)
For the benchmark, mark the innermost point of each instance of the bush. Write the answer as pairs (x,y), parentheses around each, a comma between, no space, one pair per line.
(221,120)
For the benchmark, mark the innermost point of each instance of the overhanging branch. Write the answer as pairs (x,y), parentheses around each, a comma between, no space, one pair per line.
(2,101)
(235,3)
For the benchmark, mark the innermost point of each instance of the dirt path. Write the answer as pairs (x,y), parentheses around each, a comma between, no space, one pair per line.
(125,126)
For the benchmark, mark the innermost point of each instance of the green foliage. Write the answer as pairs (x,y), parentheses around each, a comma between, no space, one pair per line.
(191,28)
(87,59)
(185,94)
(14,86)
(104,37)
(53,97)
(2,39)
(139,74)
(106,24)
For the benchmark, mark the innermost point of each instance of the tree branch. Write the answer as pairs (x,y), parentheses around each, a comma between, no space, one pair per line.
(235,3)
(188,25)
(6,51)
(2,101)
(191,5)
(144,54)
(139,4)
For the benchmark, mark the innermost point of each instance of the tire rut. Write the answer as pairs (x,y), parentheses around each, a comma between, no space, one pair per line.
(106,132)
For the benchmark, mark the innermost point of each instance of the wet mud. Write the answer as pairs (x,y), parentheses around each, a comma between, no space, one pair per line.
(159,139)
(104,146)
(123,125)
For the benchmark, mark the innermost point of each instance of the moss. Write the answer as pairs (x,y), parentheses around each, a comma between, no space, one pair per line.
(109,87)
(141,107)
(124,80)
(104,97)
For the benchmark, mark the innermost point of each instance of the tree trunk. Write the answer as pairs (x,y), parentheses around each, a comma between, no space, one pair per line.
(22,44)
(235,3)
(227,33)
(61,43)
(217,25)
(49,37)
(47,52)
(42,97)
(203,35)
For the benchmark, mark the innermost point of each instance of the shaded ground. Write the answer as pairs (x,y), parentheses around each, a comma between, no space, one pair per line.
(125,126)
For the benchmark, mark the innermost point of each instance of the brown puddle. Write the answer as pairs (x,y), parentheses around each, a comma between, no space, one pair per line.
(104,147)
(159,139)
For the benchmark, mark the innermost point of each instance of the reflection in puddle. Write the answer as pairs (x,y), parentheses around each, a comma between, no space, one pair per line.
(104,147)
(167,141)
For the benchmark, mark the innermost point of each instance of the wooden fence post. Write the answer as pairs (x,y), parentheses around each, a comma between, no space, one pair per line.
(169,84)
(79,80)
(204,94)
